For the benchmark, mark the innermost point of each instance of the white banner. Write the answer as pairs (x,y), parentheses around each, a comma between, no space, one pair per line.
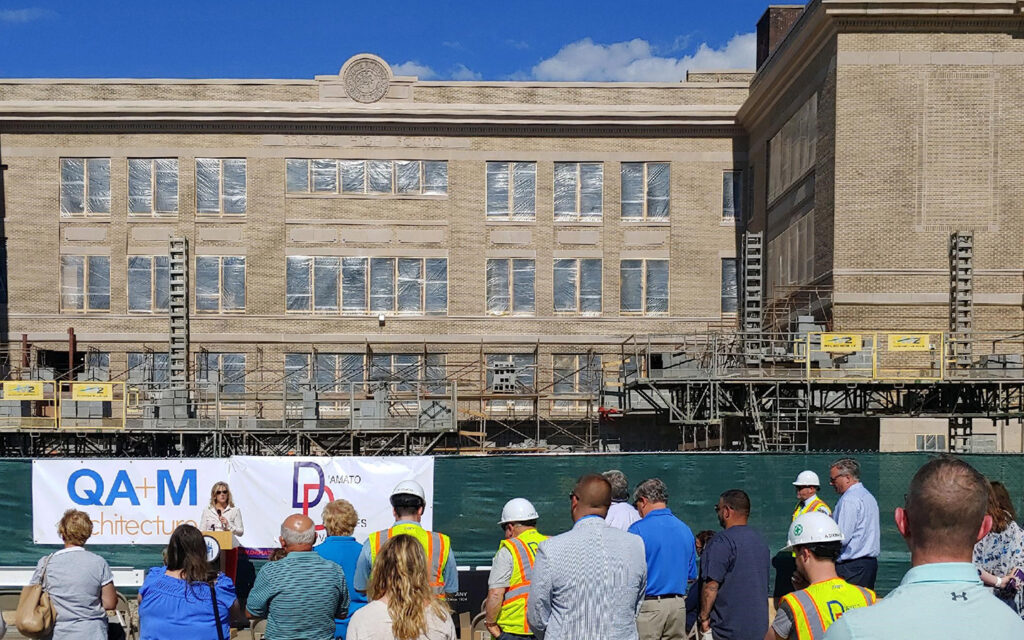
(268,490)
(129,501)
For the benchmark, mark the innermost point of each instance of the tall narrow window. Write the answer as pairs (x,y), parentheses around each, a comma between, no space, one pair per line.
(220,185)
(511,190)
(579,191)
(85,283)
(643,287)
(510,286)
(732,195)
(353,284)
(84,186)
(148,284)
(646,187)
(220,284)
(730,285)
(578,286)
(152,186)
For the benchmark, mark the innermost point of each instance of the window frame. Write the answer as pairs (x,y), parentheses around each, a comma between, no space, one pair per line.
(646,201)
(644,280)
(203,372)
(86,278)
(153,189)
(511,270)
(578,296)
(86,211)
(577,216)
(220,286)
(339,180)
(152,285)
(736,217)
(510,215)
(736,299)
(221,208)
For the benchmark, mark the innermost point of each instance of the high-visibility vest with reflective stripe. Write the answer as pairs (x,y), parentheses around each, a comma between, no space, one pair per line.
(436,545)
(816,504)
(815,608)
(512,618)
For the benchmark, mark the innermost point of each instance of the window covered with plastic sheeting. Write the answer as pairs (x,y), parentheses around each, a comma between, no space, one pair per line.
(730,285)
(98,283)
(367,177)
(97,365)
(326,279)
(577,373)
(732,195)
(85,283)
(149,369)
(152,186)
(579,191)
(410,285)
(398,369)
(353,284)
(229,366)
(656,287)
(631,286)
(220,284)
(499,286)
(436,372)
(325,176)
(148,284)
(435,287)
(577,285)
(299,283)
(379,176)
(643,286)
(353,176)
(407,176)
(296,175)
(511,190)
(382,284)
(220,185)
(84,186)
(435,177)
(524,364)
(646,188)
(296,371)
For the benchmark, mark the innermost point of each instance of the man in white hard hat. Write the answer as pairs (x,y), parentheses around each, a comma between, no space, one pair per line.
(807,614)
(408,500)
(512,571)
(807,486)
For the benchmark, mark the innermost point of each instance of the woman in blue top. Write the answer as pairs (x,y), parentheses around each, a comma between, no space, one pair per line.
(340,547)
(175,600)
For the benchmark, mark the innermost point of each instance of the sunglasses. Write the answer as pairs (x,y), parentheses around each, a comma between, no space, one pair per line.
(222,493)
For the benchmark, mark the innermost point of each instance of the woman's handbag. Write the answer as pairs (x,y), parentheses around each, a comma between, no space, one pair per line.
(36,616)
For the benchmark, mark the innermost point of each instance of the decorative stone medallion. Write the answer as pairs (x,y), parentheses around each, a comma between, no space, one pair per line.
(366,78)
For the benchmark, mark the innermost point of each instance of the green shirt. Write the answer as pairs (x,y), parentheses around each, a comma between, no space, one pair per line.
(300,596)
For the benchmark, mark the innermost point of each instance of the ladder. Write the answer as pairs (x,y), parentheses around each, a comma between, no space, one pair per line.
(753,279)
(961,298)
(178,313)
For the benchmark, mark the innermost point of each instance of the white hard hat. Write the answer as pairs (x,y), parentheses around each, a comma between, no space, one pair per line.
(518,510)
(409,488)
(813,527)
(807,479)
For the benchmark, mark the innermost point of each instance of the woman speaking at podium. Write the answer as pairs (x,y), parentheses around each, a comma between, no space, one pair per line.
(222,514)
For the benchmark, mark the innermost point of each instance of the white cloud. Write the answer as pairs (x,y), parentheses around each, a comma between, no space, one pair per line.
(635,61)
(517,44)
(413,68)
(24,15)
(462,72)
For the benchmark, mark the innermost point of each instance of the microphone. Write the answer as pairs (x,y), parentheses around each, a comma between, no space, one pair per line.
(218,515)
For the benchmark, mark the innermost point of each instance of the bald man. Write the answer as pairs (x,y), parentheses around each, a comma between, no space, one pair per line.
(588,582)
(301,594)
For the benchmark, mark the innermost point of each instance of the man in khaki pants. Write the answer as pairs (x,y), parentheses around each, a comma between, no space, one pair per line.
(671,555)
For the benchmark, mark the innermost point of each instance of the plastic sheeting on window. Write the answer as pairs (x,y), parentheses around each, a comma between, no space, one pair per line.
(325,372)
(166,170)
(140,283)
(524,190)
(140,185)
(732,194)
(591,190)
(232,372)
(72,282)
(497,189)
(72,186)
(207,283)
(590,373)
(234,185)
(657,189)
(161,283)
(378,174)
(326,275)
(353,176)
(99,282)
(410,284)
(350,367)
(97,365)
(407,368)
(498,298)
(297,175)
(99,185)
(296,370)
(233,295)
(148,368)
(436,370)
(590,285)
(565,285)
(564,374)
(207,185)
(298,284)
(657,286)
(632,189)
(523,278)
(325,176)
(631,286)
(524,363)
(382,284)
(435,287)
(407,174)
(353,284)
(435,177)
(566,174)
(730,285)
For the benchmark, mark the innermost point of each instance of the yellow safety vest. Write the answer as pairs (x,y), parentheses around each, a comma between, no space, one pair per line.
(512,618)
(815,608)
(435,544)
(816,504)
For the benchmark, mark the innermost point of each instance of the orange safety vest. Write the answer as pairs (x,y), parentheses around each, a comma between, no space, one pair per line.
(436,545)
(815,608)
(512,617)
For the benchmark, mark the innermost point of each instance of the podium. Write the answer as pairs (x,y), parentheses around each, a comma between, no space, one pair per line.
(229,545)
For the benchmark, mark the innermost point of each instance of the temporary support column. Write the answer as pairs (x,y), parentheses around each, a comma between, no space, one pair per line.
(753,278)
(178,303)
(961,324)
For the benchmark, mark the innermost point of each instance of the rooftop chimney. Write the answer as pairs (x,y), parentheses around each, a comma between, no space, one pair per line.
(772,28)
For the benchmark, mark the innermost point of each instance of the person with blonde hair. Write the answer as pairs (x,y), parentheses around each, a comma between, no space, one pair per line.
(340,520)
(403,605)
(221,514)
(80,583)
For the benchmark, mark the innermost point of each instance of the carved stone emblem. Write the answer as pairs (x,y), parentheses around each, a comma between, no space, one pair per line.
(367,79)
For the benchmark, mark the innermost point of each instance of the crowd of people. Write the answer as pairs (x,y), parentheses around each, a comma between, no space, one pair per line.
(629,568)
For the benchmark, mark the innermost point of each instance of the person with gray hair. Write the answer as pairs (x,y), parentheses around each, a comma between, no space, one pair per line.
(856,514)
(621,514)
(302,594)
(671,554)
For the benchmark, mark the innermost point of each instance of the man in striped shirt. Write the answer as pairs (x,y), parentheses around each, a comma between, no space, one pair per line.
(302,594)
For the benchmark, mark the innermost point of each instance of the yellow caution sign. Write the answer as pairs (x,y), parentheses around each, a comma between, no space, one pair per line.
(92,391)
(909,342)
(23,390)
(840,342)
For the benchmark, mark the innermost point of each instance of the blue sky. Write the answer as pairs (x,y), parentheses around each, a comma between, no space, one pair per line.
(443,39)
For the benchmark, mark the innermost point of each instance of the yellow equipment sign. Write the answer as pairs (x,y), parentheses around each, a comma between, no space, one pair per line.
(23,390)
(909,342)
(840,342)
(92,391)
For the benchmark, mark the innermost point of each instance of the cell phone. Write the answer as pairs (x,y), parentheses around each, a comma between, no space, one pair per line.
(1016,580)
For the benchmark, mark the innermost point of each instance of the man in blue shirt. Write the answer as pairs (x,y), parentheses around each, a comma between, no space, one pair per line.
(856,514)
(941,596)
(671,561)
